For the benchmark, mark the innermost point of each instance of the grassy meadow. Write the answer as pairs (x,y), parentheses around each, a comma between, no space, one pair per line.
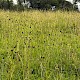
(39,45)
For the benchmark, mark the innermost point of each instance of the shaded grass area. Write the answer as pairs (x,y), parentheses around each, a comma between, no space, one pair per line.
(36,45)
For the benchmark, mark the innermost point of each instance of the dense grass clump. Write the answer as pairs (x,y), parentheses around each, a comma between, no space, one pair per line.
(36,45)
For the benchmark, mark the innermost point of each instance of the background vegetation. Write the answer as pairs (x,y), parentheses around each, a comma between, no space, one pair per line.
(36,45)
(37,4)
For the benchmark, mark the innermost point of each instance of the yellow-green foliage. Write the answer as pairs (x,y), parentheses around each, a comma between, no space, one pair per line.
(37,45)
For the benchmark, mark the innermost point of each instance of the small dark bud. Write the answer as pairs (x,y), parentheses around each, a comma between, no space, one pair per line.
(11,50)
(49,34)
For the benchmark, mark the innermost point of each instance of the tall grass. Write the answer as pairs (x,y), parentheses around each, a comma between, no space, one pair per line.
(37,45)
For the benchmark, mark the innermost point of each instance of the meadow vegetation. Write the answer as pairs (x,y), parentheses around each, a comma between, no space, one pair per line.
(39,45)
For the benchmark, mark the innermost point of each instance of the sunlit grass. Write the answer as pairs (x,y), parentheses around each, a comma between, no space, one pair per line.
(37,45)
